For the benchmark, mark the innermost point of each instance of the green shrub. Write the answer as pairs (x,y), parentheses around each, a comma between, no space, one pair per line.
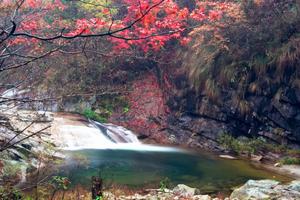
(88,113)
(10,169)
(9,193)
(236,145)
(290,161)
(99,198)
(109,104)
(248,145)
(125,109)
(293,152)
(164,184)
(60,182)
(226,141)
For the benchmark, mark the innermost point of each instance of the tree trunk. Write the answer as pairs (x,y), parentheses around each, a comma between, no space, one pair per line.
(96,187)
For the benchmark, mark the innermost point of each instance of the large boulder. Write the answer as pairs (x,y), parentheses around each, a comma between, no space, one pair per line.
(267,189)
(255,190)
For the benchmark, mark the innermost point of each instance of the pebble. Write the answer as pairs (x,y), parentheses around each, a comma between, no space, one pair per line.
(277,165)
(227,157)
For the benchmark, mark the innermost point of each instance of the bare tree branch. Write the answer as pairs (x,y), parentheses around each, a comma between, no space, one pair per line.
(25,138)
(29,61)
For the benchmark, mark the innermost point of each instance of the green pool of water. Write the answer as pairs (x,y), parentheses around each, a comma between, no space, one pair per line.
(139,169)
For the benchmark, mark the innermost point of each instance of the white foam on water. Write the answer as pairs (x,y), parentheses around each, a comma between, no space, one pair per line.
(104,136)
(117,134)
(128,146)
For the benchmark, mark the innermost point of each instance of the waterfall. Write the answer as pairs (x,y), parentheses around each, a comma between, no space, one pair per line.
(101,136)
(116,134)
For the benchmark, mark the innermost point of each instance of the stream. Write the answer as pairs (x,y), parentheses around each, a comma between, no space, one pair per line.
(119,158)
(138,169)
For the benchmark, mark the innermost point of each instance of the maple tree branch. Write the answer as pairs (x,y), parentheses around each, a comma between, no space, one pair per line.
(99,5)
(157,34)
(81,35)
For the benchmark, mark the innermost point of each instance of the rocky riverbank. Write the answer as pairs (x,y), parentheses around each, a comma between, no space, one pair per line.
(30,140)
(59,131)
(251,190)
(41,149)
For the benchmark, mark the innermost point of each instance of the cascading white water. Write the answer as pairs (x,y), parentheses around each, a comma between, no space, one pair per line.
(103,136)
(73,137)
(116,134)
(71,132)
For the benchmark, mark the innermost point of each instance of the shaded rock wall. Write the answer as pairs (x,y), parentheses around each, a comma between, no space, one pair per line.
(163,107)
(273,117)
(166,109)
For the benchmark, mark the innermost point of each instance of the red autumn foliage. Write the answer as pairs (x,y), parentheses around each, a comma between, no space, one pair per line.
(148,24)
(147,105)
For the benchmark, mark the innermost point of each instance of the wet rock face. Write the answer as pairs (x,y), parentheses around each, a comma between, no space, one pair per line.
(19,147)
(169,111)
(166,110)
(276,117)
(196,132)
(154,110)
(286,109)
(267,189)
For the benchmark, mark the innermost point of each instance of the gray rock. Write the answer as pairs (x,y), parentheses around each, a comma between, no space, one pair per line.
(267,189)
(277,164)
(266,184)
(262,189)
(186,191)
(294,185)
(202,197)
(256,158)
(228,157)
(286,110)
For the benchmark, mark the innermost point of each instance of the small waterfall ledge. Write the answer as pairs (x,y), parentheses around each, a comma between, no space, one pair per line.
(72,132)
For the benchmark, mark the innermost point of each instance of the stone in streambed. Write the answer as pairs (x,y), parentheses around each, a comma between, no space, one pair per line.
(228,157)
(256,158)
(266,184)
(267,189)
(186,191)
(294,185)
(277,165)
(202,197)
(262,189)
